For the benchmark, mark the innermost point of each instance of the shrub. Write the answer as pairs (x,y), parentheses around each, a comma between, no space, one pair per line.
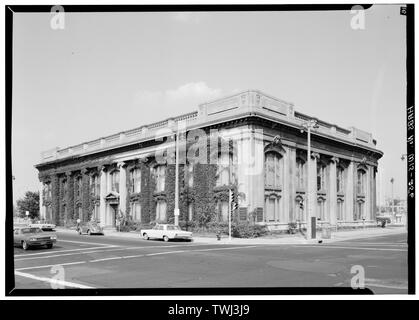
(246,230)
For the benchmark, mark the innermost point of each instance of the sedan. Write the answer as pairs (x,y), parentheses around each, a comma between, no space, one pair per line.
(165,232)
(90,227)
(33,237)
(43,225)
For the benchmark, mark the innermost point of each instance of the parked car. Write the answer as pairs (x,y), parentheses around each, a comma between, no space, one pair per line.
(33,236)
(165,232)
(43,225)
(91,227)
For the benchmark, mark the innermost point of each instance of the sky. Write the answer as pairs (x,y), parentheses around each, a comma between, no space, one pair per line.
(109,72)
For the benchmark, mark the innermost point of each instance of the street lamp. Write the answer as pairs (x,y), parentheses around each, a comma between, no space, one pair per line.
(309,125)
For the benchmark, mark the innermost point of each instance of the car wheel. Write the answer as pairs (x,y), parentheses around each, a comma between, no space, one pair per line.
(25,245)
(145,236)
(49,246)
(165,238)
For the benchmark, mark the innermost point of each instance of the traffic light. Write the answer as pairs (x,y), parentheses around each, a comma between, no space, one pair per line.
(301,204)
(234,204)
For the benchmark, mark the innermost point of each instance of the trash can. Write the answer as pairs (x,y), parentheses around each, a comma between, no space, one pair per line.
(326,231)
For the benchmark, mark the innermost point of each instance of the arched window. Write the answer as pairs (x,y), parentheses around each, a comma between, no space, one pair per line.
(273,172)
(361,181)
(135,180)
(115,181)
(299,174)
(340,186)
(160,176)
(225,174)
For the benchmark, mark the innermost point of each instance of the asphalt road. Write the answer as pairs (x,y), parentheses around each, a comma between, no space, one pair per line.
(110,262)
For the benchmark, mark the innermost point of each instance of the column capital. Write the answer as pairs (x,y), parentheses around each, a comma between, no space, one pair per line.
(68,174)
(334,160)
(315,155)
(84,171)
(102,168)
(121,164)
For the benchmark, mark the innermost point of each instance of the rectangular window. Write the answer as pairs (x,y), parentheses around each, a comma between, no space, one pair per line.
(136,211)
(160,174)
(190,212)
(115,181)
(161,210)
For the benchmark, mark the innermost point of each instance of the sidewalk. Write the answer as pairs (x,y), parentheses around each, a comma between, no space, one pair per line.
(272,240)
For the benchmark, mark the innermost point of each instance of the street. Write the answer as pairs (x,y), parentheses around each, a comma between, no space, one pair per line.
(113,262)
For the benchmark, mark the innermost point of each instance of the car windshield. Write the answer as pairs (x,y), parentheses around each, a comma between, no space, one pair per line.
(31,230)
(173,228)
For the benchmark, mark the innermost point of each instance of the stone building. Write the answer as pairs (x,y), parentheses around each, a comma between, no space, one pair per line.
(250,143)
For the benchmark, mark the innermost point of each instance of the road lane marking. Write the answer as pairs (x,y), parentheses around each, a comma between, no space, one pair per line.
(135,256)
(167,252)
(84,242)
(108,249)
(51,265)
(53,281)
(105,259)
(353,248)
(59,251)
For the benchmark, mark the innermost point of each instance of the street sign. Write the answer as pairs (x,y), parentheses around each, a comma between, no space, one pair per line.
(27,213)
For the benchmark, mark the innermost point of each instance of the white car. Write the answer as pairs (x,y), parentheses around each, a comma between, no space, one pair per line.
(42,225)
(165,232)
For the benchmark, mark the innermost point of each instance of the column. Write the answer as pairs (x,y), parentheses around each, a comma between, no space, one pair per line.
(313,184)
(349,194)
(374,194)
(368,198)
(286,187)
(103,190)
(41,201)
(255,171)
(332,191)
(265,209)
(122,187)
(292,187)
(55,201)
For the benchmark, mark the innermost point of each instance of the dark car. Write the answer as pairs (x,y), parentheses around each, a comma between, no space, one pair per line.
(91,227)
(33,237)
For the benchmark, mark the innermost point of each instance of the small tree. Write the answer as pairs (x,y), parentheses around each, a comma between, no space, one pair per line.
(30,202)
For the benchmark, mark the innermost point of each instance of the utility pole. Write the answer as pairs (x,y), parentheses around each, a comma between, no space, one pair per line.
(311,124)
(392,196)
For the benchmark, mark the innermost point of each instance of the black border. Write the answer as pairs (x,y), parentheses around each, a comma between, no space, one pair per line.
(9,281)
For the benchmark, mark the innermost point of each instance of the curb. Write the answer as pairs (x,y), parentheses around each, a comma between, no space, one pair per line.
(259,241)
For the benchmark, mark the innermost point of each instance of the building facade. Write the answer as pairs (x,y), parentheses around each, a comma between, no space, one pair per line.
(250,143)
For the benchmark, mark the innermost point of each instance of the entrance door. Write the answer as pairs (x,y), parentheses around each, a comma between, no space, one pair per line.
(113,215)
